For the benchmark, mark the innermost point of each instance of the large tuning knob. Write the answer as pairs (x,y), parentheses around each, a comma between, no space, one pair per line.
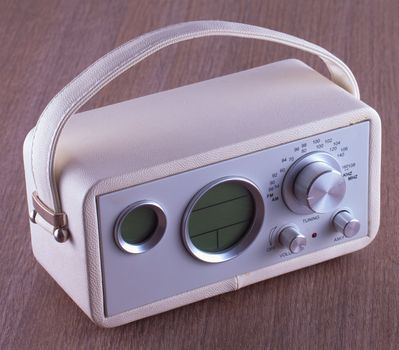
(314,183)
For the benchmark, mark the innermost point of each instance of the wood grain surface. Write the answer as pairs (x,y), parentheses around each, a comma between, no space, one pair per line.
(351,302)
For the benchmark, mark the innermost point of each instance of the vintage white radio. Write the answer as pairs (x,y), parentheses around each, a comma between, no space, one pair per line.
(157,202)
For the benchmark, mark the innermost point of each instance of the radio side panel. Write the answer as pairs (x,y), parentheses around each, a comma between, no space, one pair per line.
(67,262)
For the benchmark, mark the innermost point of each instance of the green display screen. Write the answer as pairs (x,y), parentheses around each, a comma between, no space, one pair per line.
(221,217)
(138,225)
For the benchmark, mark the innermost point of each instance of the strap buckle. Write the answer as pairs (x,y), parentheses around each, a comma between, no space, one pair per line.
(59,221)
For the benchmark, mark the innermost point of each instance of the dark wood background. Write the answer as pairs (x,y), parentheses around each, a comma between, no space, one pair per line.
(348,303)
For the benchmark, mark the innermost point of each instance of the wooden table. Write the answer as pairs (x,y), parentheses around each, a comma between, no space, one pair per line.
(348,303)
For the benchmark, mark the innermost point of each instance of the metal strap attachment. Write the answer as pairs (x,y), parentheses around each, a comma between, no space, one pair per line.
(59,221)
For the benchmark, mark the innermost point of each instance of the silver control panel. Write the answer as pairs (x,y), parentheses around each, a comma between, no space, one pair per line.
(233,217)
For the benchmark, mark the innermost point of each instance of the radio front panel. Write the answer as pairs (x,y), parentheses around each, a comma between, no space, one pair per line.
(189,230)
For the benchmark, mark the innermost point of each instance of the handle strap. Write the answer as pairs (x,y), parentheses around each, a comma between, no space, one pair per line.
(95,77)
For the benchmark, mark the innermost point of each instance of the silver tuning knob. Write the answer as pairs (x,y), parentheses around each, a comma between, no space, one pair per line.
(345,223)
(292,239)
(314,183)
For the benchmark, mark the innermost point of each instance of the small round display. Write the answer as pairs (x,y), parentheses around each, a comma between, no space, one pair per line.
(140,227)
(220,221)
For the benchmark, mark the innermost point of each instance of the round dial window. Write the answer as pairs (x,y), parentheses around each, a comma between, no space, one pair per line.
(223,219)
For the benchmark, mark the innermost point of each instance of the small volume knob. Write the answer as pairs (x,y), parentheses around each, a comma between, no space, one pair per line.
(345,223)
(292,239)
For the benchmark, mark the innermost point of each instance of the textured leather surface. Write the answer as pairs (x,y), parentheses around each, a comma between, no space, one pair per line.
(153,130)
(90,81)
(66,263)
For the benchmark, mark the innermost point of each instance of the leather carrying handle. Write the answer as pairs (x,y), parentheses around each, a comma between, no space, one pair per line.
(95,77)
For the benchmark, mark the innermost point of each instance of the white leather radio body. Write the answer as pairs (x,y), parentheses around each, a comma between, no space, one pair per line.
(157,202)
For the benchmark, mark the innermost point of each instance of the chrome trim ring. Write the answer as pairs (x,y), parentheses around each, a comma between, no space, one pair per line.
(154,238)
(248,237)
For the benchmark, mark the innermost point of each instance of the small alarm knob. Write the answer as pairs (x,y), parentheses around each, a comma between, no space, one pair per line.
(314,184)
(345,223)
(292,239)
